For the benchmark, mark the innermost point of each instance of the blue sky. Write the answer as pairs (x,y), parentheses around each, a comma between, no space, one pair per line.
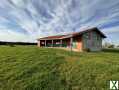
(27,20)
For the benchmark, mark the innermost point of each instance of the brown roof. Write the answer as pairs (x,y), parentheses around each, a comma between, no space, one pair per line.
(53,37)
(72,34)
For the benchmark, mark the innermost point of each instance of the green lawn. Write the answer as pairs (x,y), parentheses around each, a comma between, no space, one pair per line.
(32,68)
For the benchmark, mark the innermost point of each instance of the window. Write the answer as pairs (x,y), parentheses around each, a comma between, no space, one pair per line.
(87,35)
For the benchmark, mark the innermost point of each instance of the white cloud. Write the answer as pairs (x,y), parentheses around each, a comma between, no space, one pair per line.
(32,16)
(111,30)
(7,35)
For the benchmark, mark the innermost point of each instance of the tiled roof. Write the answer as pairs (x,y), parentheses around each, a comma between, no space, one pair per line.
(72,34)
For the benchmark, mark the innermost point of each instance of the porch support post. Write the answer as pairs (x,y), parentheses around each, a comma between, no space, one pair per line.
(45,43)
(61,43)
(39,43)
(71,43)
(52,43)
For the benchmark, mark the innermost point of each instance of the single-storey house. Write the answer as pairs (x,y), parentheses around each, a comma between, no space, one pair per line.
(90,39)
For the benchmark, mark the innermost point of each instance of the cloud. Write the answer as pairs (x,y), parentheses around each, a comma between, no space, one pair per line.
(8,35)
(22,19)
(111,30)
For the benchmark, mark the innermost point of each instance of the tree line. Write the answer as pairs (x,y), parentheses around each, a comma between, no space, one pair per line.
(110,45)
(16,43)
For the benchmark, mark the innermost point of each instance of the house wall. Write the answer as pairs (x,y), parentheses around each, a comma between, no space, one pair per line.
(92,40)
(77,43)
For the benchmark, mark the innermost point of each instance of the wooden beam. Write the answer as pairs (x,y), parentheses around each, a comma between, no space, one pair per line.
(61,43)
(71,43)
(45,43)
(39,43)
(52,43)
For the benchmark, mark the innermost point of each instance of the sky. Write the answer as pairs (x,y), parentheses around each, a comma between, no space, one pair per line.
(27,20)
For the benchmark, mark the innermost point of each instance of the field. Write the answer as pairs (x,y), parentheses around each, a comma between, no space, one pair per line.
(32,68)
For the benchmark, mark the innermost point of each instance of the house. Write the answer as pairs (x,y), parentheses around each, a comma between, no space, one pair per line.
(90,39)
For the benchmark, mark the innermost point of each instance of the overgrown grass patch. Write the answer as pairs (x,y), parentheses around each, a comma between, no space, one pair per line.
(33,68)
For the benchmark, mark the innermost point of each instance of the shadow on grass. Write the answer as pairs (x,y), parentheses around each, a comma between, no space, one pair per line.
(111,50)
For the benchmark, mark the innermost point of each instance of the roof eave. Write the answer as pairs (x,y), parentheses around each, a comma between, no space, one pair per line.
(71,35)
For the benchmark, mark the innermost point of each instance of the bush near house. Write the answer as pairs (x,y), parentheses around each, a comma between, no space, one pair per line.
(117,46)
(32,68)
(86,50)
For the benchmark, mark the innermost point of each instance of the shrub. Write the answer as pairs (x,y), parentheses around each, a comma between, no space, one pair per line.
(118,46)
(86,50)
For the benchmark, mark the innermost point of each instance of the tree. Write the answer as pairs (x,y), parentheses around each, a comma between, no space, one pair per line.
(106,44)
(111,46)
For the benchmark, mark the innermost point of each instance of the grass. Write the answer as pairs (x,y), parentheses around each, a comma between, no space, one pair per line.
(32,68)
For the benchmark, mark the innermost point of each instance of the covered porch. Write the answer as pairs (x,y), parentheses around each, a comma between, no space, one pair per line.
(55,43)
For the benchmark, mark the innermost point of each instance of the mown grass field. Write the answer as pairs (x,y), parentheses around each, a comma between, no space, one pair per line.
(32,68)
